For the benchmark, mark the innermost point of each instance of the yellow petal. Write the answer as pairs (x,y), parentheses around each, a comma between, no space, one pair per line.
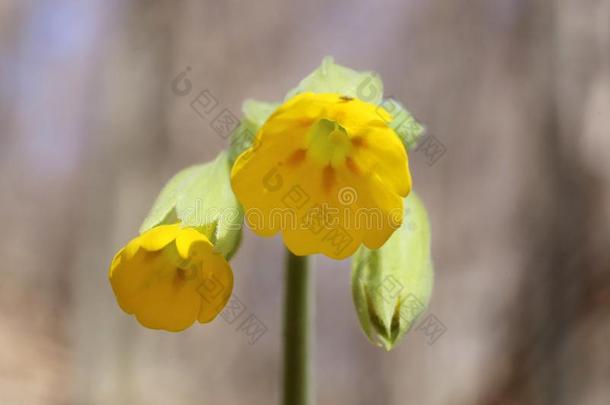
(216,288)
(159,237)
(258,177)
(381,153)
(188,237)
(377,210)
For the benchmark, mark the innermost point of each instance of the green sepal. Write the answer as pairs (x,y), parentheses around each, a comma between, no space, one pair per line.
(391,286)
(408,129)
(255,113)
(332,78)
(201,197)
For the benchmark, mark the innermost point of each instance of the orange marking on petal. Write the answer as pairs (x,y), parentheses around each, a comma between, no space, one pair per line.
(304,121)
(352,166)
(359,142)
(297,157)
(328,178)
(179,278)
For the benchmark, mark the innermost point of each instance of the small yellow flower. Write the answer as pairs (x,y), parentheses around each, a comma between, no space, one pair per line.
(328,172)
(169,276)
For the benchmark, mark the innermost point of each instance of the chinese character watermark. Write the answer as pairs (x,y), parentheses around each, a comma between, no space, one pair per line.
(222,120)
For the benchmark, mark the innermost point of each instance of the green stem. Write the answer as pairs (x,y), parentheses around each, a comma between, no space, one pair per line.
(298,331)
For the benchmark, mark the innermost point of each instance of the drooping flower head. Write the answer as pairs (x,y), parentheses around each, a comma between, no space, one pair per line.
(170,276)
(328,172)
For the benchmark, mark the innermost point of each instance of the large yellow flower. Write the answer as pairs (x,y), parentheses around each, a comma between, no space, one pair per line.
(328,172)
(169,276)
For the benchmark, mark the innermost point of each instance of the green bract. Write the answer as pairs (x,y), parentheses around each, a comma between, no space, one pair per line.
(201,196)
(391,286)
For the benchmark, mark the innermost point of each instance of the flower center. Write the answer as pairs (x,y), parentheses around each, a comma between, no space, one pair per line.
(328,143)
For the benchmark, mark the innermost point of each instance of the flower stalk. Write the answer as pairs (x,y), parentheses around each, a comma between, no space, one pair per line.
(298,331)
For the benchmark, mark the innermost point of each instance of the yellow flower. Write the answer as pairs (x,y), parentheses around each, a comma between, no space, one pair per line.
(169,276)
(328,172)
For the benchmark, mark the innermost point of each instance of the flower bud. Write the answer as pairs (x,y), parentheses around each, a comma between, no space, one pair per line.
(391,285)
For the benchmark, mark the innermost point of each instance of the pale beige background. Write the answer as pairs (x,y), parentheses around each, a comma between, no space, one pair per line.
(518,91)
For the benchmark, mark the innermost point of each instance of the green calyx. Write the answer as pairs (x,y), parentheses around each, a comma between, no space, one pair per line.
(201,197)
(391,285)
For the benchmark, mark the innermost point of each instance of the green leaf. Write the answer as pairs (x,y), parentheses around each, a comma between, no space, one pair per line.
(201,196)
(391,286)
(333,78)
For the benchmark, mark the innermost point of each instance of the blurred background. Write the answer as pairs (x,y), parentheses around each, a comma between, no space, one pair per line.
(516,94)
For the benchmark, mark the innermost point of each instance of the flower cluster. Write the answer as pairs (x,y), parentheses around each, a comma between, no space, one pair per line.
(333,161)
